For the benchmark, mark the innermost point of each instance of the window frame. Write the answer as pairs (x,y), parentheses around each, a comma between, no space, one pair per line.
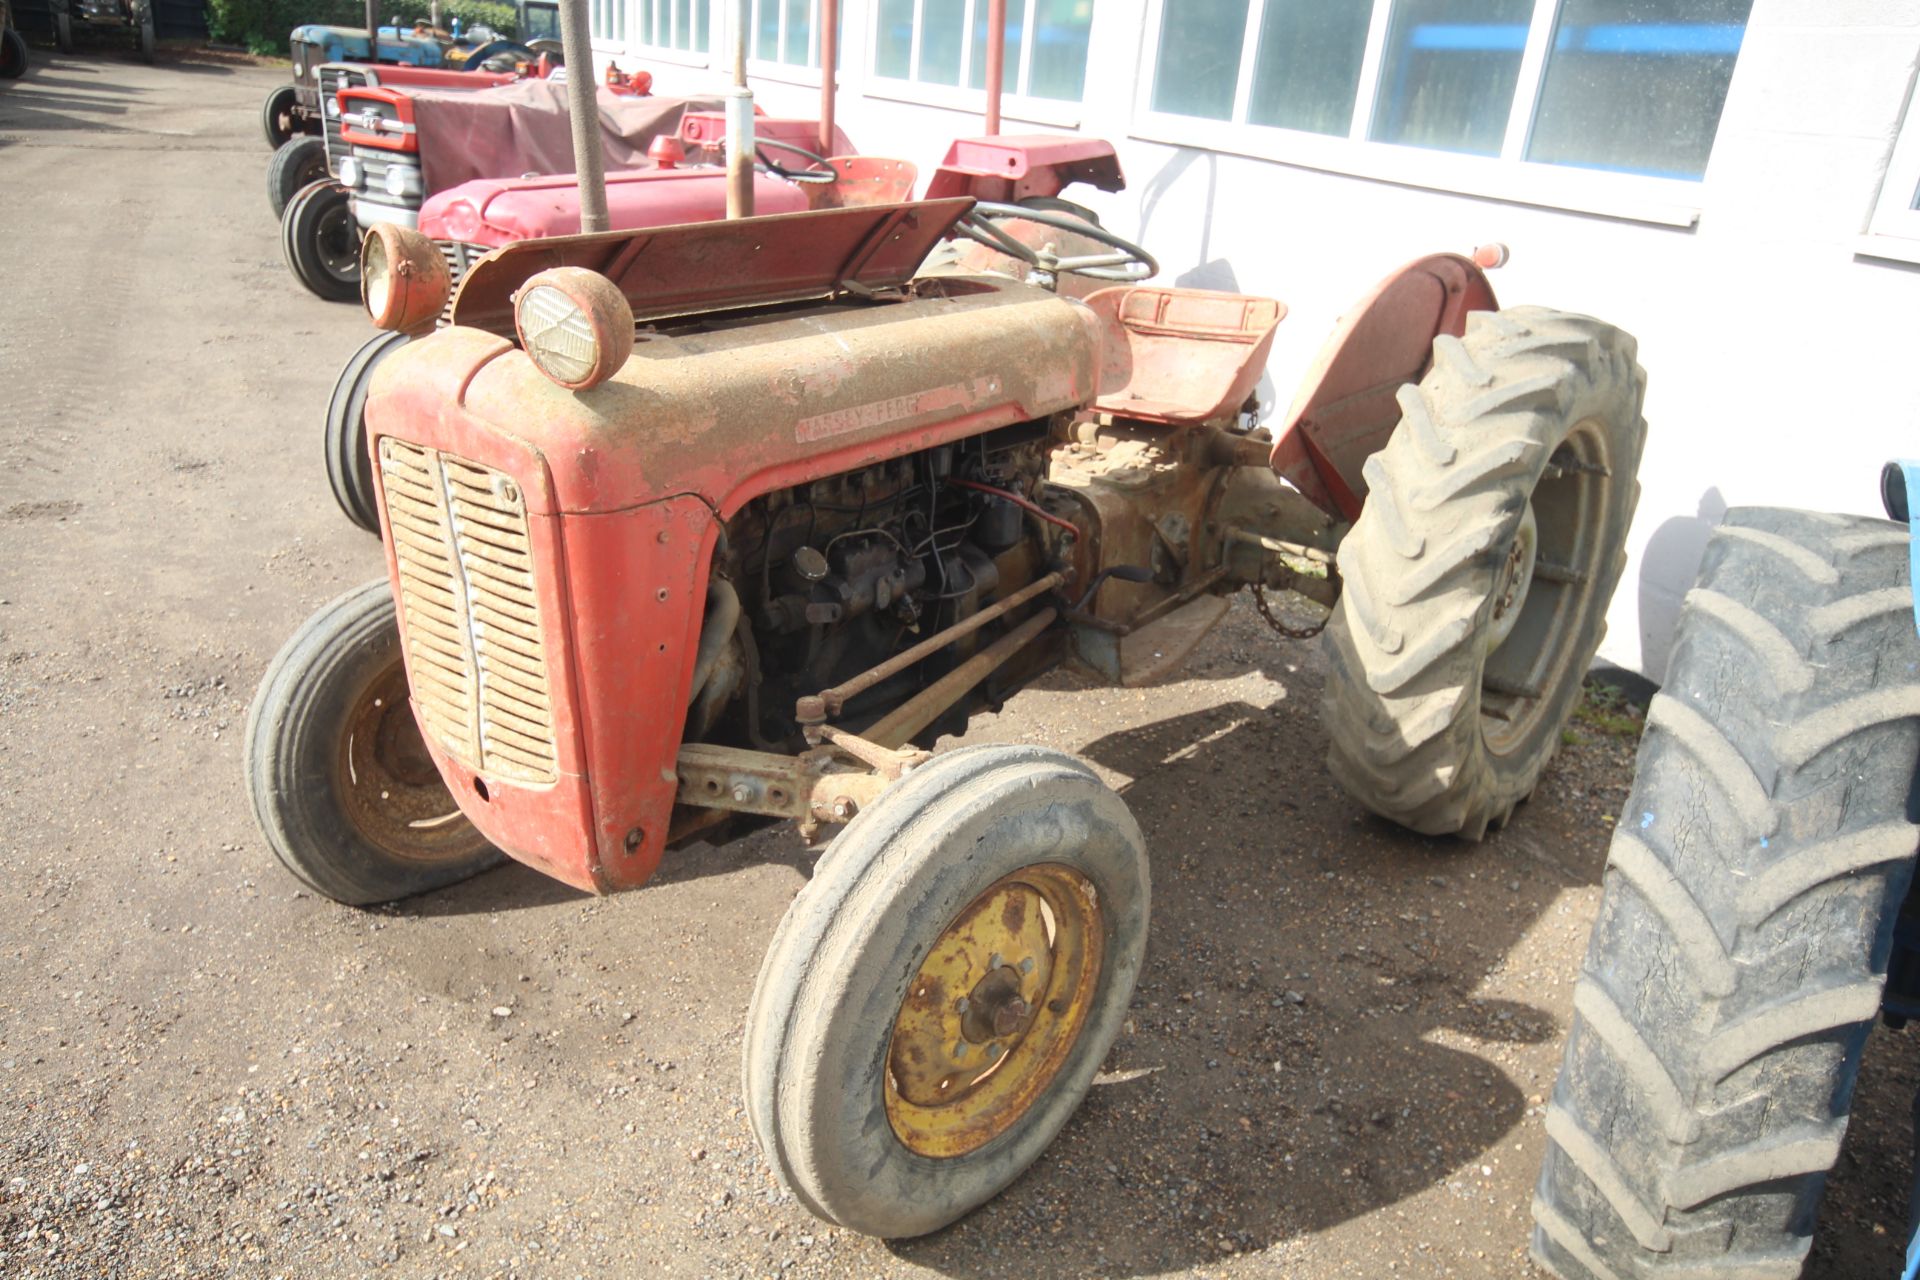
(636,45)
(1508,176)
(1893,225)
(1015,104)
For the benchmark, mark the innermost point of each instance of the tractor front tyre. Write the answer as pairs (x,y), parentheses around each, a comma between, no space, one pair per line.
(349,465)
(322,242)
(1738,957)
(297,163)
(13,54)
(340,779)
(63,32)
(149,40)
(278,122)
(1478,574)
(938,998)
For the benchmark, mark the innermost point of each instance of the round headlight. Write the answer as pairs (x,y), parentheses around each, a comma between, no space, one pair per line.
(351,173)
(404,280)
(575,325)
(403,180)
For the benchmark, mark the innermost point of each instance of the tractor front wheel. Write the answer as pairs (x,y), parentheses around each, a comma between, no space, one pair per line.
(1741,946)
(322,242)
(297,163)
(939,996)
(63,32)
(13,55)
(341,782)
(278,122)
(1478,575)
(349,465)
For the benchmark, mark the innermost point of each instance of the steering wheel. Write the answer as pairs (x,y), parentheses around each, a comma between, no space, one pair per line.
(1126,263)
(824,173)
(477,60)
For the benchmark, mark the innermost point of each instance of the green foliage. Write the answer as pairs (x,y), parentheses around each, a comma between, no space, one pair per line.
(262,25)
(1605,710)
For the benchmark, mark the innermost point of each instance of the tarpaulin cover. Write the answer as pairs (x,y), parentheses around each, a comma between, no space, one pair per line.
(522,128)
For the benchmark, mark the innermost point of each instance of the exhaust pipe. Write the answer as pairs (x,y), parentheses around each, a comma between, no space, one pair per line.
(583,112)
(740,122)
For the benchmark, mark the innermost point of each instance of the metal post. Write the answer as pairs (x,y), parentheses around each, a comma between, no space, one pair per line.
(829,65)
(583,111)
(740,122)
(373,30)
(996,61)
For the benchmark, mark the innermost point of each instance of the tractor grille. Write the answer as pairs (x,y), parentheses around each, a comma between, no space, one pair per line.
(469,616)
(334,77)
(460,258)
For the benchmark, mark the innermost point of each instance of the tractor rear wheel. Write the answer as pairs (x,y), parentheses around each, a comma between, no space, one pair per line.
(937,999)
(321,241)
(297,163)
(278,122)
(349,466)
(63,32)
(340,779)
(13,55)
(1478,574)
(1740,950)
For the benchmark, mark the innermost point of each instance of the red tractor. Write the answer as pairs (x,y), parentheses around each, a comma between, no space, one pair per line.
(693,528)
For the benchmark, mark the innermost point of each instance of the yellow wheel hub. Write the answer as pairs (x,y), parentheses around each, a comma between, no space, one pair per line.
(991,1016)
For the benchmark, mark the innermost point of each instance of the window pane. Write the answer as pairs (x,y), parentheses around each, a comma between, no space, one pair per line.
(1016,40)
(766,30)
(794,51)
(1308,67)
(942,26)
(1637,85)
(702,24)
(1199,57)
(1060,48)
(893,41)
(1447,80)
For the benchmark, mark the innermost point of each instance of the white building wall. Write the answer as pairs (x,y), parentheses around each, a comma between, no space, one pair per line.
(1783,366)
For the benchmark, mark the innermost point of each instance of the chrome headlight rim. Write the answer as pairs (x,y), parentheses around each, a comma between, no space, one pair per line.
(575,325)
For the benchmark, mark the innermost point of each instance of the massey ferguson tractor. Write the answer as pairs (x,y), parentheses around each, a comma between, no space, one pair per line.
(693,528)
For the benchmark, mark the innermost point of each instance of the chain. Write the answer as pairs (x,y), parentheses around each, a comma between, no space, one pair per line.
(1291,633)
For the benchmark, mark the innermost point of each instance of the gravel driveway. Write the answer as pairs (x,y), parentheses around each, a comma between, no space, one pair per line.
(1336,1061)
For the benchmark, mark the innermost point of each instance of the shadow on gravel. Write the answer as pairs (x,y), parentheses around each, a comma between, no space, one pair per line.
(1305,1044)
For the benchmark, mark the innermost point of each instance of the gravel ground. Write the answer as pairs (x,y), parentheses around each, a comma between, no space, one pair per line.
(1336,1060)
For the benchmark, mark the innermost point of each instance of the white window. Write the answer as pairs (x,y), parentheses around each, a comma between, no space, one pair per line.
(607,19)
(1412,89)
(1894,231)
(944,42)
(783,31)
(685,26)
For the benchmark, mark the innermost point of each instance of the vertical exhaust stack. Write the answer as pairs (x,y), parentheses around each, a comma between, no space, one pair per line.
(996,61)
(829,70)
(583,112)
(740,122)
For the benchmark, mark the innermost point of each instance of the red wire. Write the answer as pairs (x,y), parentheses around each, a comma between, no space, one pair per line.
(1023,503)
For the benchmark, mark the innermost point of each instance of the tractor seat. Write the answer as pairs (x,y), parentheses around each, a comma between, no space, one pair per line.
(1181,355)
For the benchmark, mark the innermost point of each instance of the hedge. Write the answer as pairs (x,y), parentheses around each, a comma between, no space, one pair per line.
(262,25)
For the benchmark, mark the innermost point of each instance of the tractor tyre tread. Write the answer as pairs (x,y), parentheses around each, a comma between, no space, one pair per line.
(1445,498)
(297,163)
(299,232)
(349,466)
(1738,955)
(279,102)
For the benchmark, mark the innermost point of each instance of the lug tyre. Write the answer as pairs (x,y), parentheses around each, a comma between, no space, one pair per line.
(877,1093)
(13,55)
(1478,574)
(278,122)
(349,465)
(341,783)
(1738,957)
(297,163)
(321,241)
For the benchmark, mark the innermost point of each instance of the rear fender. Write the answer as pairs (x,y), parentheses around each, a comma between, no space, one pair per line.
(1346,408)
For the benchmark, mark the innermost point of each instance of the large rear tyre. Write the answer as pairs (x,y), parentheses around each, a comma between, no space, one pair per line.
(341,782)
(321,241)
(278,122)
(1737,961)
(939,996)
(349,465)
(1478,574)
(297,163)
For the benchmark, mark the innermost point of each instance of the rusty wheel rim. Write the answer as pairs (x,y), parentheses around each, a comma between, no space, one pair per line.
(389,789)
(994,1011)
